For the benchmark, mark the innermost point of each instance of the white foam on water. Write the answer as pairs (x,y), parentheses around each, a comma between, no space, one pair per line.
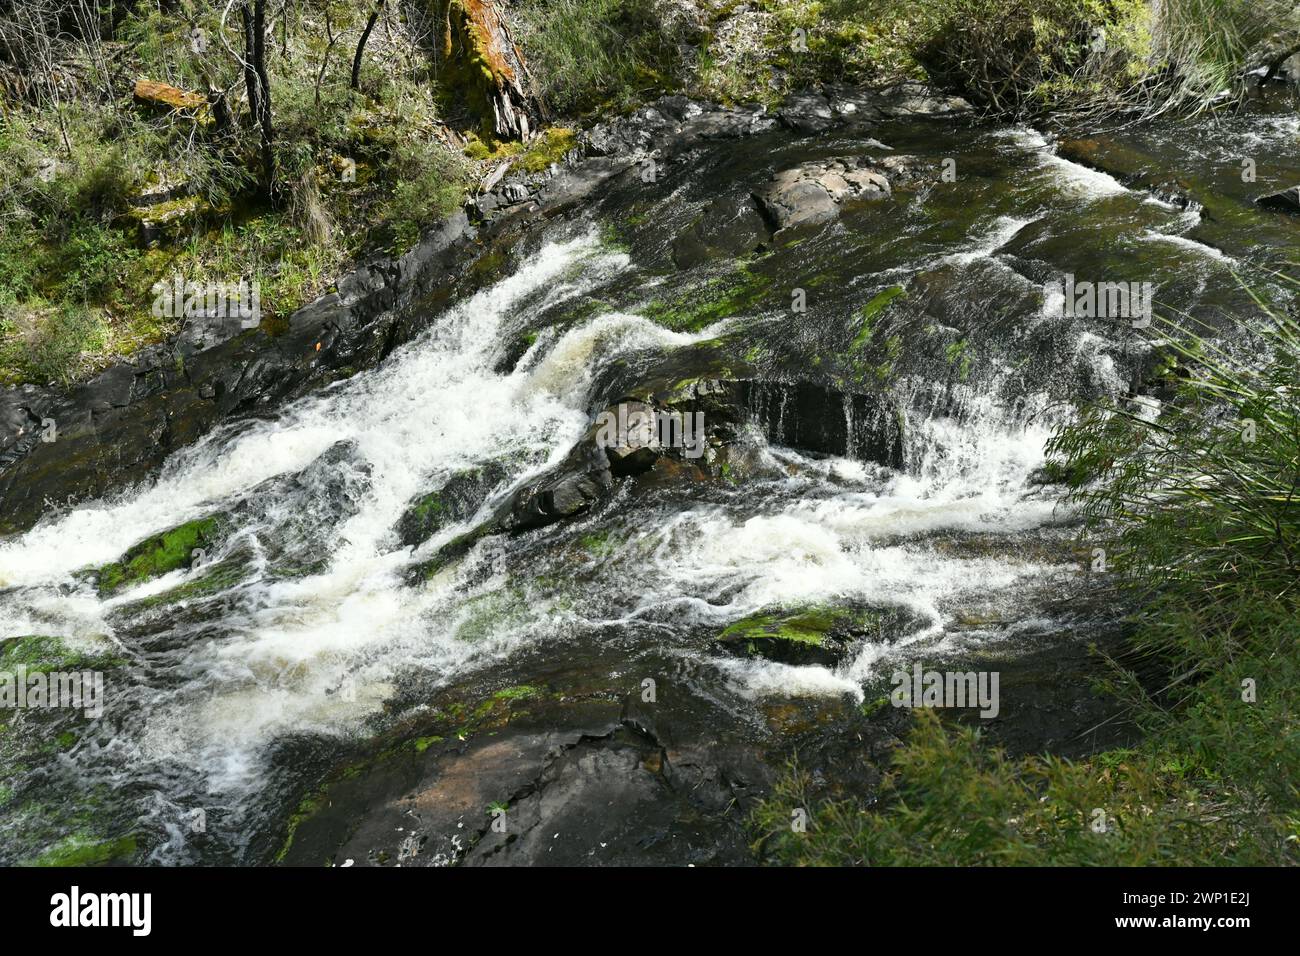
(1281,130)
(1074,179)
(1001,231)
(717,564)
(1200,248)
(756,680)
(1080,181)
(568,369)
(1025,137)
(316,653)
(430,404)
(1094,351)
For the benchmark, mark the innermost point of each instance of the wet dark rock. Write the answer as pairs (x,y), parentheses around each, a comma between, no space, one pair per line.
(1286,200)
(645,410)
(732,226)
(581,479)
(800,636)
(1174,192)
(573,768)
(811,193)
(818,418)
(801,415)
(807,113)
(460,496)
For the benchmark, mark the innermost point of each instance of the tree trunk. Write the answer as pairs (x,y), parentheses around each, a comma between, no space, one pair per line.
(482,62)
(258,85)
(361,45)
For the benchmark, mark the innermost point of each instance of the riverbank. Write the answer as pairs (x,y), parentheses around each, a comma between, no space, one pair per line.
(132,157)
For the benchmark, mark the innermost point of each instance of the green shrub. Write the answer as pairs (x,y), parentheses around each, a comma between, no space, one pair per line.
(432,186)
(1014,57)
(1091,56)
(1204,45)
(1199,505)
(954,801)
(92,261)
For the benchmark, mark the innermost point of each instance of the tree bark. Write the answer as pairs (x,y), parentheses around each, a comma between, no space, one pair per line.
(258,85)
(482,61)
(361,45)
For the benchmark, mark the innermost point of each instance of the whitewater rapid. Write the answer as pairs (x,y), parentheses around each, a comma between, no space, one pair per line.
(321,626)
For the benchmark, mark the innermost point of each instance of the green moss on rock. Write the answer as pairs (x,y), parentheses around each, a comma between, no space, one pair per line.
(808,635)
(307,808)
(551,147)
(40,653)
(83,849)
(158,555)
(217,578)
(719,298)
(871,312)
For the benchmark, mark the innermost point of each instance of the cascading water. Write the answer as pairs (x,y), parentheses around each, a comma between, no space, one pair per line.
(313,631)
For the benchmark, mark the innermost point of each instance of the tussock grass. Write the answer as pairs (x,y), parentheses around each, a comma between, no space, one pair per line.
(601,54)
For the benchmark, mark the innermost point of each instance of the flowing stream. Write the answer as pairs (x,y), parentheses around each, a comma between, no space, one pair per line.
(303,626)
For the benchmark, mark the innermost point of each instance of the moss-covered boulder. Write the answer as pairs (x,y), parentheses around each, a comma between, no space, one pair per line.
(157,555)
(42,653)
(214,579)
(809,635)
(82,849)
(456,500)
